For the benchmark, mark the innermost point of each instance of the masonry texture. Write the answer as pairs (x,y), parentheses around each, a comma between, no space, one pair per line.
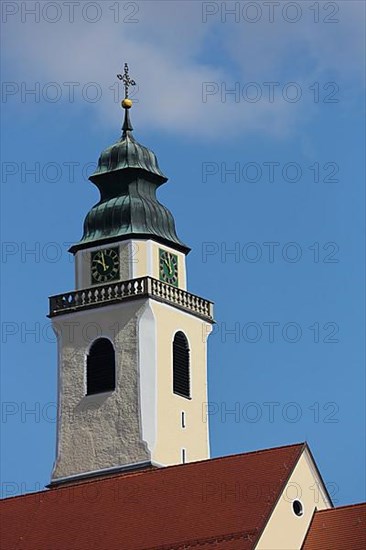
(99,431)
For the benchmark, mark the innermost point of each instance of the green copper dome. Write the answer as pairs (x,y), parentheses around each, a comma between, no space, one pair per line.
(127,177)
(128,153)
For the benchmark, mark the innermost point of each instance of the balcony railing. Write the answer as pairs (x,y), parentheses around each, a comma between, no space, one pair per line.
(144,287)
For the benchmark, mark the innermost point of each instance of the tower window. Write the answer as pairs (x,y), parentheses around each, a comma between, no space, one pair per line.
(181,374)
(100,367)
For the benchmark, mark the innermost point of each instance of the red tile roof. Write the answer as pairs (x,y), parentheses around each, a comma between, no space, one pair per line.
(342,528)
(220,503)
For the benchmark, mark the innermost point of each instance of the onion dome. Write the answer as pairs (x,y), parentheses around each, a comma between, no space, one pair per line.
(127,177)
(128,153)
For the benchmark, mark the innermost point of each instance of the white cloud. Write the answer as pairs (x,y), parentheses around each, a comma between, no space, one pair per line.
(172,53)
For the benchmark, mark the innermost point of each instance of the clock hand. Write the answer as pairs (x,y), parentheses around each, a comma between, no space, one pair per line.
(169,267)
(172,266)
(99,262)
(103,262)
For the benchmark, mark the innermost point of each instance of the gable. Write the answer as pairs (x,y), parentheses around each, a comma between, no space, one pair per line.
(285,529)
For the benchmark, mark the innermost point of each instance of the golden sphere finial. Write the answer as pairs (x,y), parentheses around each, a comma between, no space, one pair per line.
(126,103)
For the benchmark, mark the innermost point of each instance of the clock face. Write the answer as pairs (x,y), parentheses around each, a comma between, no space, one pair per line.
(168,267)
(105,265)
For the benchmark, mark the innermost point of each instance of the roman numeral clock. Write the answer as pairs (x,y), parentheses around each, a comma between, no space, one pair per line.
(104,265)
(168,267)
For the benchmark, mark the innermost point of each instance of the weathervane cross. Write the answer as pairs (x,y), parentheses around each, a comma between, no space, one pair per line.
(127,81)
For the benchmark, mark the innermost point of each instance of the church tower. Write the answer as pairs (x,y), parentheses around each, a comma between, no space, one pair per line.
(132,341)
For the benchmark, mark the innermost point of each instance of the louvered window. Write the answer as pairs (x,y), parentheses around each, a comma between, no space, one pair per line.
(100,367)
(181,374)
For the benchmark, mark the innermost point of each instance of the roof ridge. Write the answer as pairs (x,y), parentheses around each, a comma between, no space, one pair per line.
(337,508)
(300,444)
(134,473)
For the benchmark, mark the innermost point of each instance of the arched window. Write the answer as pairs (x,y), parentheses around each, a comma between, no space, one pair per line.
(100,367)
(181,368)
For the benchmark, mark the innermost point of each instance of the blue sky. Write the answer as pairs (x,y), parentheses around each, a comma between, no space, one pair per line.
(273,173)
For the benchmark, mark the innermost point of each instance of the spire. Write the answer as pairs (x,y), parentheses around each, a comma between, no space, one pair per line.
(127,177)
(127,126)
(126,102)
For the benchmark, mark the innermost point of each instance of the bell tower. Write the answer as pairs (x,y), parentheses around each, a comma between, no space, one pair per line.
(132,358)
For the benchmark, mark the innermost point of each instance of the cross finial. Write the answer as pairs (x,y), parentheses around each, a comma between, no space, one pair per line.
(126,102)
(127,81)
